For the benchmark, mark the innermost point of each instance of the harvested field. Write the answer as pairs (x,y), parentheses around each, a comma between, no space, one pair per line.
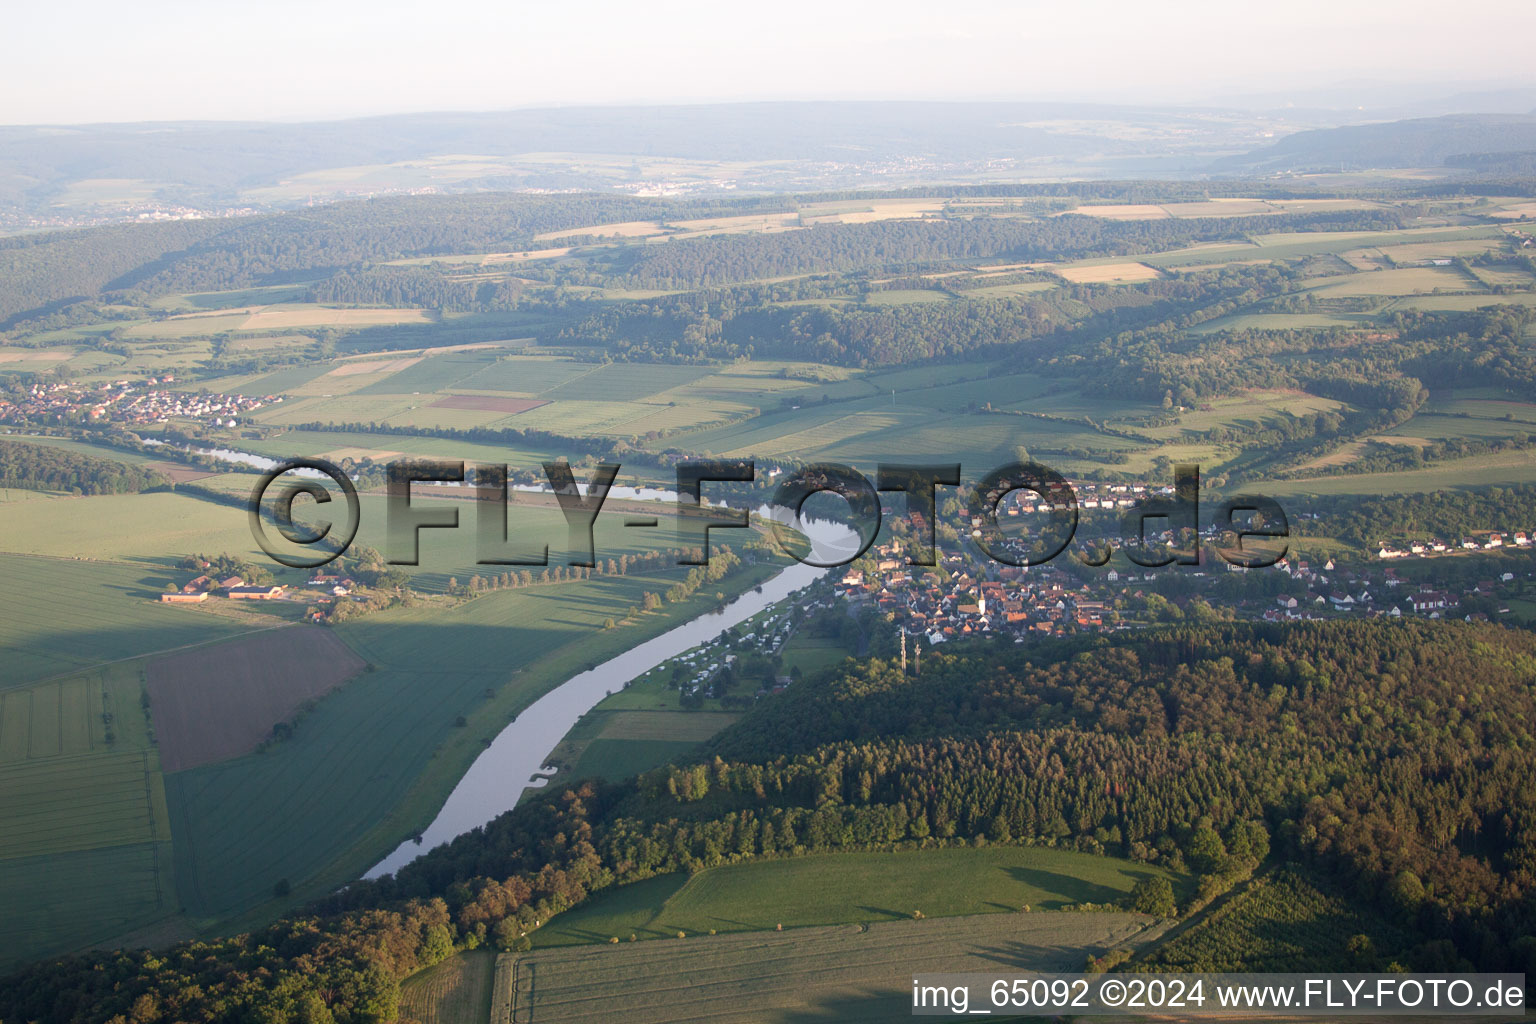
(352,368)
(27,355)
(624,229)
(456,991)
(179,473)
(1515,211)
(488,403)
(847,973)
(1106,273)
(321,316)
(1123,211)
(221,701)
(357,454)
(518,257)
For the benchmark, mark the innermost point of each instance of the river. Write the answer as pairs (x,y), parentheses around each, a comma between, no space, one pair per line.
(499,775)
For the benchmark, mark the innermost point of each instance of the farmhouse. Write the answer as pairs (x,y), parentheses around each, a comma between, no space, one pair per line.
(256,593)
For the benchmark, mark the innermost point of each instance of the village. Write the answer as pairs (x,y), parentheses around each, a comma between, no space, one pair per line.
(962,598)
(132,403)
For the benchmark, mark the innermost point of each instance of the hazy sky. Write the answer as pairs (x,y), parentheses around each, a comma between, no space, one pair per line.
(109,60)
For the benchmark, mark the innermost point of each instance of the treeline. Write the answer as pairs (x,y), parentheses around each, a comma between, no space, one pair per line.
(839,248)
(42,467)
(1394,757)
(515,437)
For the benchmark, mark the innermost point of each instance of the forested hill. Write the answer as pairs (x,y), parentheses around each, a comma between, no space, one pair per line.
(211,254)
(1396,757)
(135,263)
(1417,142)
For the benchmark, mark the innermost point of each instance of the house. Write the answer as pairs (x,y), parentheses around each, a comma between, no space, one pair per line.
(230,582)
(1428,601)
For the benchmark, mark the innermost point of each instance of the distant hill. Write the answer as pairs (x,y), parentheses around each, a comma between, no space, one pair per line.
(118,170)
(1420,142)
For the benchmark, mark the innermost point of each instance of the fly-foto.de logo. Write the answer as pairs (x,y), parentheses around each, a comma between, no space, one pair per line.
(1149,533)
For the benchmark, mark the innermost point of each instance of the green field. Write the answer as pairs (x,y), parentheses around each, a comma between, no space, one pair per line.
(85,854)
(847,888)
(1513,467)
(813,654)
(616,744)
(434,374)
(1296,244)
(59,616)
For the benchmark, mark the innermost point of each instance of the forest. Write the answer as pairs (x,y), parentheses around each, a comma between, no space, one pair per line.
(1393,759)
(47,468)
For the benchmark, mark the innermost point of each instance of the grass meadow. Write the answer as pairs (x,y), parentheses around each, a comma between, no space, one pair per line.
(847,888)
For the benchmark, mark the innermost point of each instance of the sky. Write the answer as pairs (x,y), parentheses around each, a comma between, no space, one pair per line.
(107,60)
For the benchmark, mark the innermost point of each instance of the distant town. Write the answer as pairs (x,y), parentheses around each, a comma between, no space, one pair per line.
(134,403)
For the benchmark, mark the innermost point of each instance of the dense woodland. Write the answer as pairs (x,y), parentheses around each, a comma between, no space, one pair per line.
(1394,758)
(47,468)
